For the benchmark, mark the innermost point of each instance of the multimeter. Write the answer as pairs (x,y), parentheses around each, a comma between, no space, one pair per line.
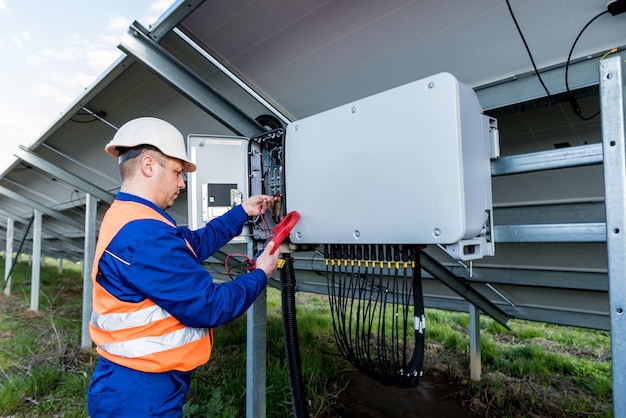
(283,229)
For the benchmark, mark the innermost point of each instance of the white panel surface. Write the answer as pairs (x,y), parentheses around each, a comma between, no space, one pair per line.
(404,166)
(220,161)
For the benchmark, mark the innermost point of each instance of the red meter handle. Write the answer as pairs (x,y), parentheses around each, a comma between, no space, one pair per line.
(284,227)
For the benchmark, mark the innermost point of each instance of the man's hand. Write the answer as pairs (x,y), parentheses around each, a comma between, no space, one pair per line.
(258,204)
(268,262)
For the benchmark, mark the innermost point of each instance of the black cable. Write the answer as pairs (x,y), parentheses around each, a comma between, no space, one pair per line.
(316,253)
(530,55)
(17,254)
(370,301)
(416,364)
(84,121)
(571,97)
(290,333)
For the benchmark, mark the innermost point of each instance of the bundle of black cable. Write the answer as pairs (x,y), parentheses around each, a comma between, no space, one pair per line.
(377,306)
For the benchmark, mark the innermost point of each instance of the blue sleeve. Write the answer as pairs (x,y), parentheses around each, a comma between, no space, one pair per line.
(217,233)
(159,266)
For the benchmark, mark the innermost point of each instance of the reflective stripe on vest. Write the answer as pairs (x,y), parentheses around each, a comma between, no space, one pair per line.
(142,336)
(118,321)
(150,345)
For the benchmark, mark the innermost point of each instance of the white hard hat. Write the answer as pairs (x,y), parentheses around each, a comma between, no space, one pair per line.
(151,131)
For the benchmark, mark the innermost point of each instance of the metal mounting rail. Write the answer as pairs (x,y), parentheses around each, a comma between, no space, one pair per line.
(138,44)
(612,93)
(547,160)
(561,232)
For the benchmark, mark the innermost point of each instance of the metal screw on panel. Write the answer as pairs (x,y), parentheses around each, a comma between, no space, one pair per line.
(436,232)
(353,109)
(299,235)
(357,234)
(431,85)
(609,76)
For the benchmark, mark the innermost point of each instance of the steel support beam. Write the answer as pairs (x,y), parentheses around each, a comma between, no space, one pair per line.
(256,354)
(31,203)
(526,87)
(256,345)
(88,259)
(547,160)
(30,157)
(475,360)
(138,44)
(256,358)
(172,17)
(563,232)
(62,238)
(529,313)
(578,280)
(461,287)
(35,278)
(8,255)
(237,80)
(612,98)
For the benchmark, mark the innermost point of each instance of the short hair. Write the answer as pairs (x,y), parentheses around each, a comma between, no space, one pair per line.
(128,160)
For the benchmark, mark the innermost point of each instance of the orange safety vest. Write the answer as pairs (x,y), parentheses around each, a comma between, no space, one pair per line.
(141,336)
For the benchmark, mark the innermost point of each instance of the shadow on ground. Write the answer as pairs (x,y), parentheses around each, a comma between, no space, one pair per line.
(366,398)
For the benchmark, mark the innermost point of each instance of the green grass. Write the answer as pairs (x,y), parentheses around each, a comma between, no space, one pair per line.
(45,374)
(563,371)
(531,370)
(226,369)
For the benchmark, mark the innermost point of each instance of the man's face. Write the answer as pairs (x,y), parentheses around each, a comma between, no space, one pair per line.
(169,182)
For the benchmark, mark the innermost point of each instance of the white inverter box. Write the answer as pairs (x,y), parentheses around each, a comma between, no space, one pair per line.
(408,165)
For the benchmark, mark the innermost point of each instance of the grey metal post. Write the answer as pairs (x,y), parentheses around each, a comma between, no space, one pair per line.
(612,92)
(90,248)
(475,361)
(8,255)
(256,358)
(36,266)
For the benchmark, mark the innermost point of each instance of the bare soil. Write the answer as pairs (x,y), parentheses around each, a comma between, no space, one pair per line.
(442,392)
(366,398)
(446,391)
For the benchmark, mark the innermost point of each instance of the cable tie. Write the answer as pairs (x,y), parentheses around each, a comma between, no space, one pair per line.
(419,323)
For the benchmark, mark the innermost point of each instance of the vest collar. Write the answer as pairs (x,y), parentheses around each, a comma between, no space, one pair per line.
(127,197)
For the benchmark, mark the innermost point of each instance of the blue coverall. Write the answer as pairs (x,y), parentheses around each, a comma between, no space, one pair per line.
(164,270)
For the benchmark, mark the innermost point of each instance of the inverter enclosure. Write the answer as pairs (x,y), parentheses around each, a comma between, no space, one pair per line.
(220,181)
(408,165)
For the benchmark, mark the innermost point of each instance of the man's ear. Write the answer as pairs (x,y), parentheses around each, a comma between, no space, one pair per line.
(147,165)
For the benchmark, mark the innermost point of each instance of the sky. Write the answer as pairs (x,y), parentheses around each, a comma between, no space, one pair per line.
(51,51)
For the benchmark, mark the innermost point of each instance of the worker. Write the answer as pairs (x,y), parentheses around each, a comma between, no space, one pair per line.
(154,304)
